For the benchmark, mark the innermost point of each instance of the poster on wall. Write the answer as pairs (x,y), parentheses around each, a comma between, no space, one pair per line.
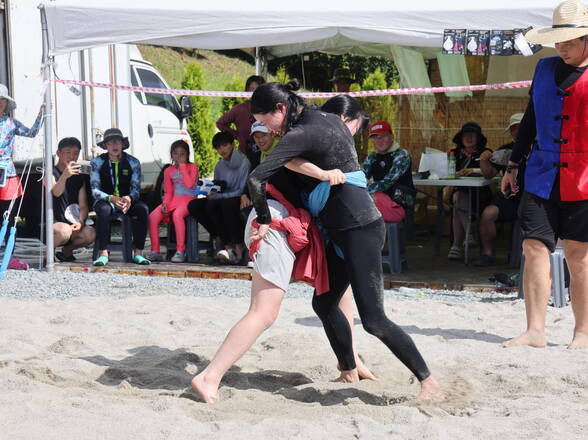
(496,42)
(453,41)
(477,42)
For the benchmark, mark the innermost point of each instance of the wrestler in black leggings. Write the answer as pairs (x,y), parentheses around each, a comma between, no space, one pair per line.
(362,267)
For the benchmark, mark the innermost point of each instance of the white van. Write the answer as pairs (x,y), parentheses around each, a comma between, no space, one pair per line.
(151,121)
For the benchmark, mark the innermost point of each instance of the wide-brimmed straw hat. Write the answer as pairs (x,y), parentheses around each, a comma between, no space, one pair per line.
(11,105)
(111,134)
(570,21)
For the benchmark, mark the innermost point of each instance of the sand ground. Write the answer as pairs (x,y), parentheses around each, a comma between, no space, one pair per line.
(120,368)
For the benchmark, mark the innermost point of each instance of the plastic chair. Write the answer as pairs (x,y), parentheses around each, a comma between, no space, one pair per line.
(559,291)
(126,244)
(193,242)
(394,254)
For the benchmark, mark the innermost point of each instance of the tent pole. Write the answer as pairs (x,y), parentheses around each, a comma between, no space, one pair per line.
(260,62)
(48,161)
(257,61)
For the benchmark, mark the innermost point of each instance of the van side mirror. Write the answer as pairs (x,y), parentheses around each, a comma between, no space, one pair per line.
(186,104)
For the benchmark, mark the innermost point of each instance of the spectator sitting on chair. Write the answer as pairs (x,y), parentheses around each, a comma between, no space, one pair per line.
(70,201)
(505,208)
(471,148)
(116,186)
(241,116)
(389,174)
(179,189)
(219,212)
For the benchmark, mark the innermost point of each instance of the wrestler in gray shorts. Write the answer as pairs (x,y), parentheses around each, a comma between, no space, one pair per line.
(274,260)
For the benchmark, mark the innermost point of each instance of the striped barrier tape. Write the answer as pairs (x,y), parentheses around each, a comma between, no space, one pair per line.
(359,94)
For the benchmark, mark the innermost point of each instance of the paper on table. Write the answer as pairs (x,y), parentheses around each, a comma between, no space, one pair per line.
(434,161)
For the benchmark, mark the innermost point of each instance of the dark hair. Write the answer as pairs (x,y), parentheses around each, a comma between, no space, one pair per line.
(350,108)
(222,138)
(69,142)
(254,79)
(267,96)
(180,144)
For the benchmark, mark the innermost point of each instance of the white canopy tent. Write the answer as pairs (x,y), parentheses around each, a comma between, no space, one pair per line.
(300,26)
(335,26)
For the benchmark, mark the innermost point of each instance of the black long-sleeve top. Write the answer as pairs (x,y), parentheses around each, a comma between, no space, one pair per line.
(322,139)
(565,76)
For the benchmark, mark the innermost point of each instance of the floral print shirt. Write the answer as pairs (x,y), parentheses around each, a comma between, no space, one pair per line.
(9,128)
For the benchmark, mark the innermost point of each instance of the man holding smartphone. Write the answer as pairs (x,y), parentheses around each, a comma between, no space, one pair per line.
(554,204)
(70,201)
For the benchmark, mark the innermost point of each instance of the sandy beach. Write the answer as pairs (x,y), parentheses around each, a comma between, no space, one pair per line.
(119,367)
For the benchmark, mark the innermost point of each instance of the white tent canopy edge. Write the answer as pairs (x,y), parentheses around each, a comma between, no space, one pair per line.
(233,24)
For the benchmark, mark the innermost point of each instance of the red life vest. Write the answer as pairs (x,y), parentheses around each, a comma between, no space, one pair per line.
(573,172)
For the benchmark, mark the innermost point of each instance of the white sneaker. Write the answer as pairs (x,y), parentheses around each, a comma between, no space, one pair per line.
(179,257)
(223,256)
(251,264)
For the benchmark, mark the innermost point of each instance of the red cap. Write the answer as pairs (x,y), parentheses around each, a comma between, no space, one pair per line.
(380,127)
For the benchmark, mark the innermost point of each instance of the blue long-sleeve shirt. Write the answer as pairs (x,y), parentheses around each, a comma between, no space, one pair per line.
(96,182)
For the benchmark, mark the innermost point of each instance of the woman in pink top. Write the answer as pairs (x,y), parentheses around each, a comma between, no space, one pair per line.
(179,182)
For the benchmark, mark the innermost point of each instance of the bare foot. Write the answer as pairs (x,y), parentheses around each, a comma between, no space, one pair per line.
(580,341)
(530,337)
(348,376)
(362,371)
(431,390)
(206,389)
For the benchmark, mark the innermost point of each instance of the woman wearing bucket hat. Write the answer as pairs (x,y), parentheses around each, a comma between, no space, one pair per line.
(471,148)
(10,187)
(554,204)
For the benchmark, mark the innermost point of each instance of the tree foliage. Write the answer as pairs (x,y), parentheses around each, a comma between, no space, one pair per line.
(200,124)
(319,68)
(228,103)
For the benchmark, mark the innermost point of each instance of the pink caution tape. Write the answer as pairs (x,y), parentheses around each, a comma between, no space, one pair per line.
(360,94)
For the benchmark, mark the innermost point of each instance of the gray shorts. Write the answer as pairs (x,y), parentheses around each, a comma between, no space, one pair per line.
(274,260)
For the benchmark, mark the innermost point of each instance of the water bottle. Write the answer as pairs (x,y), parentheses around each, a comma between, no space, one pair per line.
(451,164)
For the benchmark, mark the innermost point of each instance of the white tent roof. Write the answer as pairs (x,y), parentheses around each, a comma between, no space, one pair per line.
(285,28)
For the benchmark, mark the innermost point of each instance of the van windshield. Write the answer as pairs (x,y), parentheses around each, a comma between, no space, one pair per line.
(150,79)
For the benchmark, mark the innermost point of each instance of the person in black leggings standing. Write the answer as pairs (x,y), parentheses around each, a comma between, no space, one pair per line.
(349,216)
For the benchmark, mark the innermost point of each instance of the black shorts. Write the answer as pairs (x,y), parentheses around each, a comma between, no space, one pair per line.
(507,209)
(548,220)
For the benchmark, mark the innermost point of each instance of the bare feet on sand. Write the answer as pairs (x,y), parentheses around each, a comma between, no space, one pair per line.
(580,341)
(530,337)
(362,370)
(206,388)
(348,376)
(431,391)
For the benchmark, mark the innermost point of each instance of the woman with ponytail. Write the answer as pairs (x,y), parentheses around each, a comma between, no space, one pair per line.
(355,228)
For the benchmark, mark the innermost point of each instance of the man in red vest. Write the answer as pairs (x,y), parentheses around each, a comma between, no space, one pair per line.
(554,204)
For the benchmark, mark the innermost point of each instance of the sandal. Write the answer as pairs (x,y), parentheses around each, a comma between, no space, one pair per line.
(140,259)
(455,253)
